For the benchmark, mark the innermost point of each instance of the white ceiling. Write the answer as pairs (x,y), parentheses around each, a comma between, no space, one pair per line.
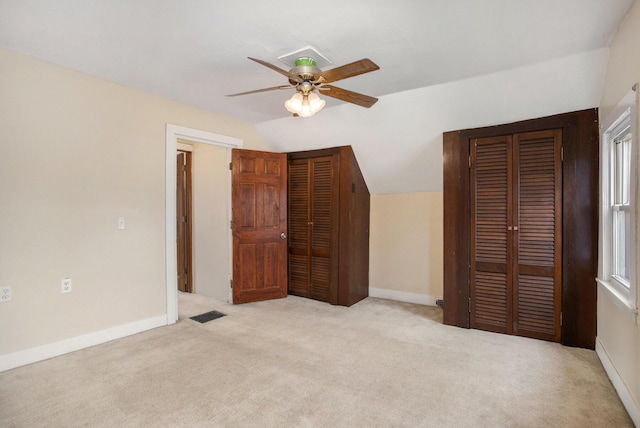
(444,64)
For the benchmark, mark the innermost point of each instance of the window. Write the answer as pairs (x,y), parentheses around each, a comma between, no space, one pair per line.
(620,204)
(618,181)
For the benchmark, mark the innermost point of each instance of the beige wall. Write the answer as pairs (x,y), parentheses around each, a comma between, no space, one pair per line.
(77,153)
(406,243)
(618,333)
(211,184)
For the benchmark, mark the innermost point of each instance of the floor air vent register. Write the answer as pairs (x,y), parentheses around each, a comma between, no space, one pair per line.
(208,316)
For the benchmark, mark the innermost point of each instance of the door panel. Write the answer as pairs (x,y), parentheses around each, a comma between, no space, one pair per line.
(299,228)
(321,204)
(320,278)
(490,250)
(538,187)
(259,204)
(247,208)
(490,301)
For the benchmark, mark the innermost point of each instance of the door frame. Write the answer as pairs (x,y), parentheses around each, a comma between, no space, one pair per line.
(173,134)
(580,171)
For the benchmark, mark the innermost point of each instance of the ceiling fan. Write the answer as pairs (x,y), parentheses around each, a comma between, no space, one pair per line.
(307,79)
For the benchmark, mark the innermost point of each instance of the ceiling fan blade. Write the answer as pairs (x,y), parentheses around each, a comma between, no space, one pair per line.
(291,76)
(348,96)
(273,88)
(348,70)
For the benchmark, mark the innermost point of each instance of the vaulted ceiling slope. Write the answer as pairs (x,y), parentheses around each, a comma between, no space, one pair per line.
(444,64)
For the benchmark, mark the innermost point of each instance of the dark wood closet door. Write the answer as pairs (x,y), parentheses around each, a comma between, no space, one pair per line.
(491,249)
(312,225)
(538,238)
(321,207)
(516,245)
(299,230)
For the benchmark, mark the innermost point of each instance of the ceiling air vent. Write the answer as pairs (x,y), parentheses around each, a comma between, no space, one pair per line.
(306,52)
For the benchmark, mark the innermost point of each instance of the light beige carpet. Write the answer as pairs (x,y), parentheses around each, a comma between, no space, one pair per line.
(298,362)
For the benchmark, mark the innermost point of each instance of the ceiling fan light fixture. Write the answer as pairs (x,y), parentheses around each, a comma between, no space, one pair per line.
(304,105)
(294,104)
(305,109)
(315,102)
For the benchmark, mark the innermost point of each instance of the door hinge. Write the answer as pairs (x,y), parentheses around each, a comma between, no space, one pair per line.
(184,218)
(230,224)
(231,283)
(230,166)
(469,161)
(560,319)
(469,304)
(561,153)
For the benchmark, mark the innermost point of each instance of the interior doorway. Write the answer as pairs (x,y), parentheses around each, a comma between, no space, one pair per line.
(211,198)
(176,135)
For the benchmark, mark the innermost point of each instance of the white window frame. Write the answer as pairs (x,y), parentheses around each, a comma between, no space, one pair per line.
(624,294)
(620,152)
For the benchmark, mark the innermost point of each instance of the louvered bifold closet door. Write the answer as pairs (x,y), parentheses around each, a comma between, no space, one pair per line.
(491,252)
(322,200)
(538,238)
(312,225)
(299,230)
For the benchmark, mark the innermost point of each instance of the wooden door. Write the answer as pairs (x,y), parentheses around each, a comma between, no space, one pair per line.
(183,221)
(491,202)
(313,198)
(259,223)
(537,242)
(516,245)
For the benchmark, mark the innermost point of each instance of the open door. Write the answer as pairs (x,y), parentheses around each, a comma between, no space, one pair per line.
(259,223)
(183,221)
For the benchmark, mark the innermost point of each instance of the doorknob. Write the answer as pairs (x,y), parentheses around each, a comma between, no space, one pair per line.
(283,235)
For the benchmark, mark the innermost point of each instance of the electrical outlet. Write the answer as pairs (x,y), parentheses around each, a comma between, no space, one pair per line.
(5,294)
(66,285)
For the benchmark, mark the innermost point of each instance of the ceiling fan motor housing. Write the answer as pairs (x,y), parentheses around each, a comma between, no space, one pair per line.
(305,68)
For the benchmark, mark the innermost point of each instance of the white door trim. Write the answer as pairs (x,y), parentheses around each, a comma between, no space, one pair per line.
(173,134)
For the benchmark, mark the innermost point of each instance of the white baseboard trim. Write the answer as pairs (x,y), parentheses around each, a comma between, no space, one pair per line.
(44,352)
(403,296)
(623,392)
